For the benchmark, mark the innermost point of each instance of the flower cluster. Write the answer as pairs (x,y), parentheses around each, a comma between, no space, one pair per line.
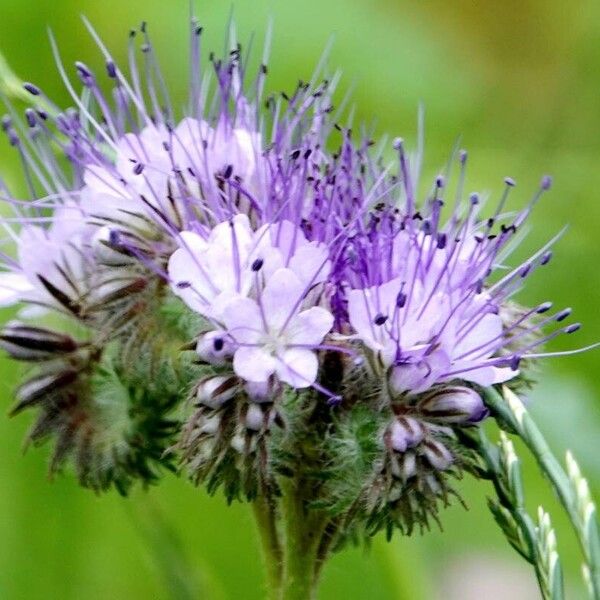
(288,278)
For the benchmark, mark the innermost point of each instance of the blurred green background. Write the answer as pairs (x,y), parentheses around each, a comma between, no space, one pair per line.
(519,81)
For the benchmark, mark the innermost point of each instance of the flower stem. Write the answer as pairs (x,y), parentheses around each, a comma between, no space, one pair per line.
(265,517)
(303,533)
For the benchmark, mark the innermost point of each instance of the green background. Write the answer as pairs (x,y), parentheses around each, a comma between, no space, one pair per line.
(519,82)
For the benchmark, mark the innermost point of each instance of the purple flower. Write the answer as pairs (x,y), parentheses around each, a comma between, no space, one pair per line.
(274,335)
(47,257)
(287,233)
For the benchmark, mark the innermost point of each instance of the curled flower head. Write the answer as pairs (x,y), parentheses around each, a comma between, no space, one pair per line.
(246,261)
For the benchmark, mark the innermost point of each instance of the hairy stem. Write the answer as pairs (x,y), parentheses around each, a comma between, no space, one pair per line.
(303,534)
(265,517)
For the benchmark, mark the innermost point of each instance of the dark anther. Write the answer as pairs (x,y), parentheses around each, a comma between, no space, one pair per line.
(380,319)
(218,344)
(111,70)
(228,171)
(545,307)
(86,76)
(400,299)
(257,264)
(30,117)
(182,285)
(34,90)
(563,314)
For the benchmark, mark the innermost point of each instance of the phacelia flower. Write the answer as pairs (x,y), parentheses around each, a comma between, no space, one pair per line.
(271,274)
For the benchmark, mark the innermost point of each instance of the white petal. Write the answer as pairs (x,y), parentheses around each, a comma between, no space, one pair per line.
(311,263)
(253,363)
(192,242)
(487,329)
(281,297)
(365,305)
(188,147)
(286,236)
(12,288)
(189,282)
(102,181)
(486,376)
(243,320)
(298,367)
(310,326)
(229,245)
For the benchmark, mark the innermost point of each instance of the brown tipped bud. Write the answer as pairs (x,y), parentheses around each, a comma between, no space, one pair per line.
(115,294)
(35,343)
(404,433)
(36,389)
(453,405)
(438,456)
(214,348)
(214,392)
(63,299)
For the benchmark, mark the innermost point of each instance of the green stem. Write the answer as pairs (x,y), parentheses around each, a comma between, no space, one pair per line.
(264,514)
(512,413)
(303,534)
(508,484)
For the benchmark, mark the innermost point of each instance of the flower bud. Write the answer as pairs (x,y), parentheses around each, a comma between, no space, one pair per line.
(438,456)
(42,386)
(454,405)
(254,417)
(214,392)
(404,433)
(27,343)
(214,348)
(404,466)
(257,418)
(211,425)
(261,391)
